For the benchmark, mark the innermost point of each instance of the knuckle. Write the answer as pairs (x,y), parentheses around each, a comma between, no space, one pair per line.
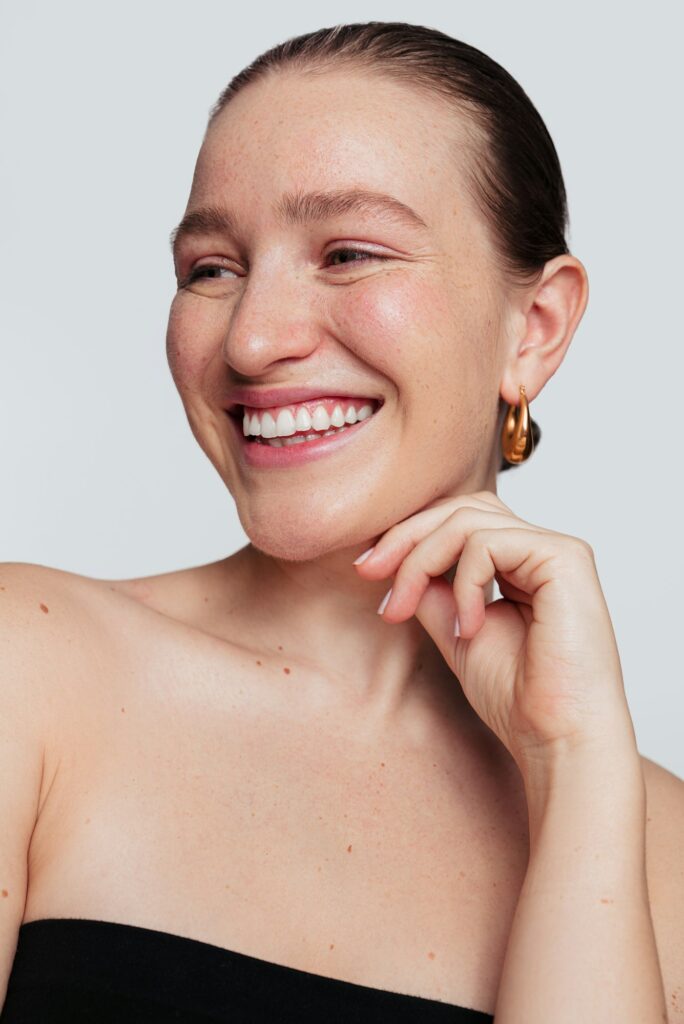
(581,547)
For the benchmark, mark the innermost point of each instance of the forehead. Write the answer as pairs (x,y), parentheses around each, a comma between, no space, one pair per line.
(292,131)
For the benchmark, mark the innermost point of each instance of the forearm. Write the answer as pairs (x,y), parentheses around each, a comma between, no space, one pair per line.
(582,945)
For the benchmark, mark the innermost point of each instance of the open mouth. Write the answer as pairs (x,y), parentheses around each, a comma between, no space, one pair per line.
(311,429)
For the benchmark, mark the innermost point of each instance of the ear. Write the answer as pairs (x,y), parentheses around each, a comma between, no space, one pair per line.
(543,322)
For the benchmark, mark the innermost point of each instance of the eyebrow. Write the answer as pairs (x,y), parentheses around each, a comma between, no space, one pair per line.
(297,208)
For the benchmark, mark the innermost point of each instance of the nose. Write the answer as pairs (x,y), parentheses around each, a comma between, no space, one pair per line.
(274,319)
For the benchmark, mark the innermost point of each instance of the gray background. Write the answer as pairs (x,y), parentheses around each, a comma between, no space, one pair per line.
(103,110)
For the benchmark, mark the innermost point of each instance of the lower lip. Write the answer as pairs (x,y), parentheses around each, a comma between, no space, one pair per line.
(266,455)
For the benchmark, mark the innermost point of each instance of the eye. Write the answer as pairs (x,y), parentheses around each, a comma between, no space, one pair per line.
(206,271)
(355,252)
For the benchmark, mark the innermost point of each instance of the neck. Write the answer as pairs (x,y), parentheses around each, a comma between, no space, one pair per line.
(320,618)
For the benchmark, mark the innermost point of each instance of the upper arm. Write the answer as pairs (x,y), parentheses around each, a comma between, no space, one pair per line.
(26,652)
(665,873)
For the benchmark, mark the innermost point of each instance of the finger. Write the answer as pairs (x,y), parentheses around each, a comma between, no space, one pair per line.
(437,553)
(521,552)
(510,592)
(394,545)
(436,615)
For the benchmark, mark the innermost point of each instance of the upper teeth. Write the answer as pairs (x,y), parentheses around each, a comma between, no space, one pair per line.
(289,420)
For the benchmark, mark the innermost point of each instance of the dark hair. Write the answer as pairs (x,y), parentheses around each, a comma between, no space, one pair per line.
(516,181)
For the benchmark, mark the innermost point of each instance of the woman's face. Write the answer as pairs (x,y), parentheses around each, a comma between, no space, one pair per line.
(417,327)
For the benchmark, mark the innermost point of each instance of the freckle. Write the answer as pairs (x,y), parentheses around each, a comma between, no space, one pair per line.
(494,884)
(5,893)
(123,709)
(332,945)
(607,901)
(286,671)
(44,608)
(349,848)
(258,662)
(382,764)
(206,599)
(2,588)
(280,647)
(461,874)
(87,821)
(431,956)
(648,819)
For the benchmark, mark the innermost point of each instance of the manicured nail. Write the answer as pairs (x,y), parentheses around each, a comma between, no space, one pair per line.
(383,603)
(457,627)
(361,558)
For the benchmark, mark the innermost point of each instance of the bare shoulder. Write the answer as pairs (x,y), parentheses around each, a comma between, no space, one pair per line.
(44,611)
(41,616)
(665,872)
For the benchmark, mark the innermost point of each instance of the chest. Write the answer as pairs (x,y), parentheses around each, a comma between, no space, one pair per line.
(360,857)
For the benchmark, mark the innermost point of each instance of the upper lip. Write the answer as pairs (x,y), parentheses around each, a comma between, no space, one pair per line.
(266,398)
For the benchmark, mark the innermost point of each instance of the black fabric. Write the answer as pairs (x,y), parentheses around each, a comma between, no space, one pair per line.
(77,970)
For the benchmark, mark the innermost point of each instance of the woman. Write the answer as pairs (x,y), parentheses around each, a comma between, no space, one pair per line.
(238,792)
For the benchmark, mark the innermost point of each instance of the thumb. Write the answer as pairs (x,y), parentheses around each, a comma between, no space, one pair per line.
(436,613)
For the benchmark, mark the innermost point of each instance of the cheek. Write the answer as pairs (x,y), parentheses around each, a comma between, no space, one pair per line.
(191,340)
(392,321)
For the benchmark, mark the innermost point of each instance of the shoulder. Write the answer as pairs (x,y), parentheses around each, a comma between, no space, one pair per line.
(42,608)
(54,625)
(41,615)
(665,876)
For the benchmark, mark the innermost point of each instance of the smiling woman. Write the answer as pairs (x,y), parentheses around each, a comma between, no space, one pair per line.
(268,787)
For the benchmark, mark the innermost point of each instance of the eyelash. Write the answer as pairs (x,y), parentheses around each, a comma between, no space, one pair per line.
(196,274)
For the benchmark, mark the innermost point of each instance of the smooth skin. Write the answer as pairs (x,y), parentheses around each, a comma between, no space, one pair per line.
(245,752)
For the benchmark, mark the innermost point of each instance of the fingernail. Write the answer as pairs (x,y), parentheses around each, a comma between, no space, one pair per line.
(361,558)
(383,603)
(457,627)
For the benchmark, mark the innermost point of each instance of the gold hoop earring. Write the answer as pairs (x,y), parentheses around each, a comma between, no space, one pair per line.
(517,441)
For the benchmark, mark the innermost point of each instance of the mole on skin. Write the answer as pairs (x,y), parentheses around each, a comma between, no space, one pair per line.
(5,893)
(44,608)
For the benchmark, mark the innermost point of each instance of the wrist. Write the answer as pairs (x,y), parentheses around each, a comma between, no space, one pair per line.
(593,781)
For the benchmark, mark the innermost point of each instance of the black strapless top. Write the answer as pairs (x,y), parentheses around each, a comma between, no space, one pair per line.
(78,970)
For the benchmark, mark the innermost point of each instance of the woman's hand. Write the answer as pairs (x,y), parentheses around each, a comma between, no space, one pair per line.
(540,666)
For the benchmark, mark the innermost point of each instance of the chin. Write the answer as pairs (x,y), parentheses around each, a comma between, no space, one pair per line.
(300,538)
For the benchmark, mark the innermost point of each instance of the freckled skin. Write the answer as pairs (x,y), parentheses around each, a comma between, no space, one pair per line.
(422,328)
